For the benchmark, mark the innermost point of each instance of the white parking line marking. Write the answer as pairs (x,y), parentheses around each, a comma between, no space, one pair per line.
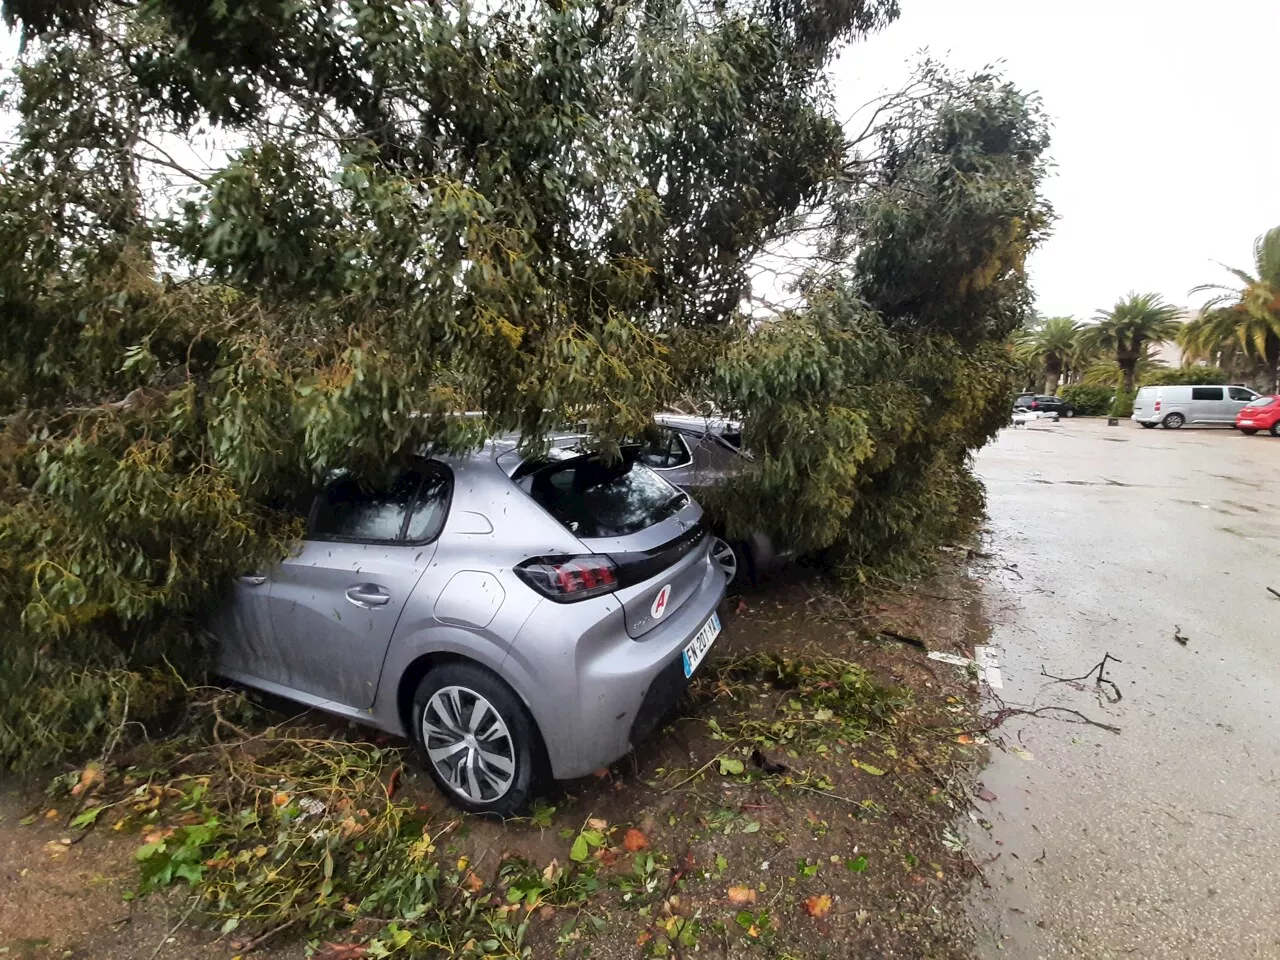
(989,667)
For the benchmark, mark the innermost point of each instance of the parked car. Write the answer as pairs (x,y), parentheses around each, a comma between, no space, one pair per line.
(1022,416)
(695,453)
(512,617)
(1042,403)
(1173,407)
(1261,413)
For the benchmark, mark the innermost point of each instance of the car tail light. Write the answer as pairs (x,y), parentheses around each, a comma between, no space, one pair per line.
(1157,407)
(569,579)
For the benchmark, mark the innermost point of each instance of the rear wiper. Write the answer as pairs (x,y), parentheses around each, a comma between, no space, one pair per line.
(678,499)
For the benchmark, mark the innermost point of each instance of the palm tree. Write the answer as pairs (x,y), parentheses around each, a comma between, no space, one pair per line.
(1104,371)
(1124,331)
(1051,346)
(1082,357)
(1203,340)
(1248,315)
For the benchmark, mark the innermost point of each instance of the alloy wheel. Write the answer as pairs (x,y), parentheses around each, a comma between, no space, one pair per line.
(469,744)
(725,558)
(1173,421)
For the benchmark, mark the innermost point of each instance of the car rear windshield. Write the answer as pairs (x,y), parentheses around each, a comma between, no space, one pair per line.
(597,499)
(1262,402)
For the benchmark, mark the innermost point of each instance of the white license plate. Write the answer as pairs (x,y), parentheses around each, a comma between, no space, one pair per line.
(1246,423)
(700,644)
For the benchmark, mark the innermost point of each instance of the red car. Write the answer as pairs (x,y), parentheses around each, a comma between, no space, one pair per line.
(1261,414)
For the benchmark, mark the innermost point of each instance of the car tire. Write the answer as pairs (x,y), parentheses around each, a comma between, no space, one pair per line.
(1147,426)
(1275,429)
(1069,412)
(1173,421)
(451,737)
(1247,431)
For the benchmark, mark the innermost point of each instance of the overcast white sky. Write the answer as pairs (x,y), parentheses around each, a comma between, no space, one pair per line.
(1165,132)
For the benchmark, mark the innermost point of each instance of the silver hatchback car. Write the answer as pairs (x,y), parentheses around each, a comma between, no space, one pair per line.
(512,617)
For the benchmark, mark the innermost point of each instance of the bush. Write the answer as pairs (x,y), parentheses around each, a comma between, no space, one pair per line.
(1184,375)
(1123,405)
(1088,399)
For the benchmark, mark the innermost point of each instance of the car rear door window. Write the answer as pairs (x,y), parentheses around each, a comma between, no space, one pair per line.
(592,498)
(1240,393)
(1206,393)
(352,512)
(426,520)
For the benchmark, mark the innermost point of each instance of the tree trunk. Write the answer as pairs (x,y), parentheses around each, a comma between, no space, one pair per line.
(1052,374)
(1272,350)
(1129,368)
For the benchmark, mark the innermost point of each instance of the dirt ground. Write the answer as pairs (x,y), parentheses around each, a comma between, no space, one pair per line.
(832,845)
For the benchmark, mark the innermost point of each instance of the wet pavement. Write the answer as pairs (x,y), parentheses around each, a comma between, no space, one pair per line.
(1163,840)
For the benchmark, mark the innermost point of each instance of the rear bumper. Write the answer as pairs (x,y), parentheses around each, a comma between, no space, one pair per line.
(592,689)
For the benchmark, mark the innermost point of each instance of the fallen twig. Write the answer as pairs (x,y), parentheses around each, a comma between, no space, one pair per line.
(1177,635)
(1000,716)
(824,793)
(113,740)
(1098,668)
(195,901)
(1274,592)
(262,938)
(693,776)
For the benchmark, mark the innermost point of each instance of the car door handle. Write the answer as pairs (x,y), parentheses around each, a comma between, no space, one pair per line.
(368,595)
(253,580)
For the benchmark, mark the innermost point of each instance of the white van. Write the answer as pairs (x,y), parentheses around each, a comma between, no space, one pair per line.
(1174,406)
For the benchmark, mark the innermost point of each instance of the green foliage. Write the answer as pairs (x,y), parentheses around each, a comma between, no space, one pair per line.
(1123,405)
(178,856)
(1241,322)
(429,209)
(1051,345)
(1194,373)
(829,700)
(545,212)
(1125,331)
(861,408)
(54,708)
(1089,400)
(280,829)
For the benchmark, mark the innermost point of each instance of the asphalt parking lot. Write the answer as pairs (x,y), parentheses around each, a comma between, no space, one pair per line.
(1161,840)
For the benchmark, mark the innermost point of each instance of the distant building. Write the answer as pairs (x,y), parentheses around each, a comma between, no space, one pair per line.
(1167,352)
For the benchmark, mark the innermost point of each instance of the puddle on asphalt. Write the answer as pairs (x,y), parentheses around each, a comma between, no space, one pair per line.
(1004,905)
